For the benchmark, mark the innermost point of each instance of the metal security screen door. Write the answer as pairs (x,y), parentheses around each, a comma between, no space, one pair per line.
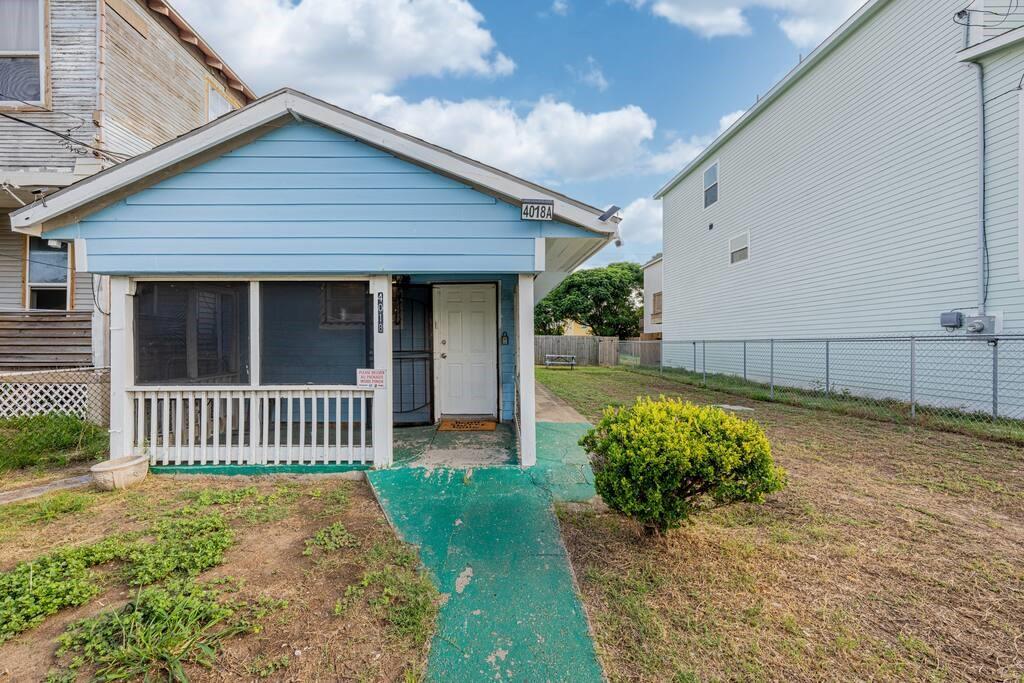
(466,349)
(413,337)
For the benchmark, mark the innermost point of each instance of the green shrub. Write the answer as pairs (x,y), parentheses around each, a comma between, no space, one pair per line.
(660,461)
(54,439)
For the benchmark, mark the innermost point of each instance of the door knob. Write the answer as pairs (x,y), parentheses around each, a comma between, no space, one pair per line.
(444,355)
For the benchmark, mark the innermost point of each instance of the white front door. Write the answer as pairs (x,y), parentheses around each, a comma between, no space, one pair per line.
(466,349)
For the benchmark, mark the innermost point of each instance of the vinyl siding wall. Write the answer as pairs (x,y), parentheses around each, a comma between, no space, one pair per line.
(858,188)
(304,199)
(652,285)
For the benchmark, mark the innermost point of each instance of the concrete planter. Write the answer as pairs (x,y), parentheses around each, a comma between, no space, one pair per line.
(120,473)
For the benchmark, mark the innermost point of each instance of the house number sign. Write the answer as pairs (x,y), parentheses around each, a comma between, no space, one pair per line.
(538,210)
(380,312)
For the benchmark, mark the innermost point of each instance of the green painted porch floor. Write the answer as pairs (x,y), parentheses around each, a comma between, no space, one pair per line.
(489,538)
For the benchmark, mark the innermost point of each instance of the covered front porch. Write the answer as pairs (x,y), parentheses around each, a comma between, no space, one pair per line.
(289,372)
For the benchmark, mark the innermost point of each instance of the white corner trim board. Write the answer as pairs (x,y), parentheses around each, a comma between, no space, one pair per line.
(287,102)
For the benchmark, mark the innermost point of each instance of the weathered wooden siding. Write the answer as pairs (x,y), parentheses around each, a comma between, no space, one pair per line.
(155,86)
(73,78)
(45,340)
(305,199)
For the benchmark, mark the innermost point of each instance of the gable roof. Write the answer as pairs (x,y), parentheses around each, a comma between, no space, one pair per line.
(859,18)
(81,198)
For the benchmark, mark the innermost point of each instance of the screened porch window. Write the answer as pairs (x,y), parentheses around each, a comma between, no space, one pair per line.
(192,333)
(314,332)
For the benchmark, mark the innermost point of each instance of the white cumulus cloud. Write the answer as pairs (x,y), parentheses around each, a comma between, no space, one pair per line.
(591,74)
(548,141)
(682,151)
(344,50)
(805,22)
(641,222)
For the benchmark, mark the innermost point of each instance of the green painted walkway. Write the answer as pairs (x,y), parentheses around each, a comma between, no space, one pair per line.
(490,539)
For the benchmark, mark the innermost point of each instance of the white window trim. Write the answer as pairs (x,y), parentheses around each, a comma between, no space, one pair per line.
(1020,186)
(69,284)
(730,250)
(41,54)
(718,182)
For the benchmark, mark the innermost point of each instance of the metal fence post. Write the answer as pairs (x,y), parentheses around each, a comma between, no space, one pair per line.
(995,378)
(771,370)
(695,357)
(913,378)
(704,360)
(828,382)
(744,360)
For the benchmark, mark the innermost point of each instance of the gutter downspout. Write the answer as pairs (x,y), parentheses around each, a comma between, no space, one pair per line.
(982,259)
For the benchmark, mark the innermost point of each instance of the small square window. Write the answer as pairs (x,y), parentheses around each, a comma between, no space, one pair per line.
(711,185)
(739,248)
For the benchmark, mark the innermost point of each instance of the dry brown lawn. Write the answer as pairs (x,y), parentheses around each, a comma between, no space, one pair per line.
(895,553)
(304,640)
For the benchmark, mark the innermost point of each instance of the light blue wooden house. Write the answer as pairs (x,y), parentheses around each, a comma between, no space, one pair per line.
(291,280)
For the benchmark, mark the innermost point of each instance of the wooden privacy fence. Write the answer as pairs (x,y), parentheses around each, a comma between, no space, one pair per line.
(587,349)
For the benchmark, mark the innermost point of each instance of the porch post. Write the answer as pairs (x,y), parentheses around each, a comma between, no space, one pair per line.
(122,366)
(380,319)
(524,371)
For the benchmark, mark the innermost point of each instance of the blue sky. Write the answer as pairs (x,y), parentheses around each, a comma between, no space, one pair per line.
(602,99)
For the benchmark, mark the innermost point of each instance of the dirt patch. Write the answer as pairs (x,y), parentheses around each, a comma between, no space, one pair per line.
(305,639)
(895,553)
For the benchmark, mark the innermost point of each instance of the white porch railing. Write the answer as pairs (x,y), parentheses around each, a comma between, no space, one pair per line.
(272,425)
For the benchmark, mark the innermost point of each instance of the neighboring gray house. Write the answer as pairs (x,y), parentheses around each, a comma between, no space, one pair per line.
(85,84)
(653,298)
(846,201)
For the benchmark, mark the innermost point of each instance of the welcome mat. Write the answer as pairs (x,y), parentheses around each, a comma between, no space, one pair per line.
(449,425)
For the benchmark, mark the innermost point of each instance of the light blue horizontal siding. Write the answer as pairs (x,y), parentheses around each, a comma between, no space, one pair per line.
(320,229)
(318,264)
(304,199)
(214,246)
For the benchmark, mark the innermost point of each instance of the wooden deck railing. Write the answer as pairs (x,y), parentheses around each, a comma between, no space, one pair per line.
(273,425)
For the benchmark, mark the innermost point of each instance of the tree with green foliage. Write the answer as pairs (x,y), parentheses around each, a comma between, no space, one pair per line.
(607,300)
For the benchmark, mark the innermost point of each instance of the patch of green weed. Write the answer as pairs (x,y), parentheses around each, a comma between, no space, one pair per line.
(329,539)
(265,667)
(158,633)
(404,598)
(182,545)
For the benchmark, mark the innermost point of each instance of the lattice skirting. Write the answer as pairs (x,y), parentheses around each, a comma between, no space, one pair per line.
(80,392)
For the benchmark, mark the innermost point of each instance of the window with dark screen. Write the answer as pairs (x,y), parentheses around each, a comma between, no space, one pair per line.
(192,333)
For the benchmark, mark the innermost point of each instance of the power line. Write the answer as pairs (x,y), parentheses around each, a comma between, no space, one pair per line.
(44,110)
(116,157)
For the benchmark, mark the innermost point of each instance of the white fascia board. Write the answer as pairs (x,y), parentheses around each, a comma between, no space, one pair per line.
(987,47)
(801,69)
(273,107)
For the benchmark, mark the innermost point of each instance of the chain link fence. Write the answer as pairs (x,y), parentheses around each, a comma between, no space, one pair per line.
(84,392)
(957,383)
